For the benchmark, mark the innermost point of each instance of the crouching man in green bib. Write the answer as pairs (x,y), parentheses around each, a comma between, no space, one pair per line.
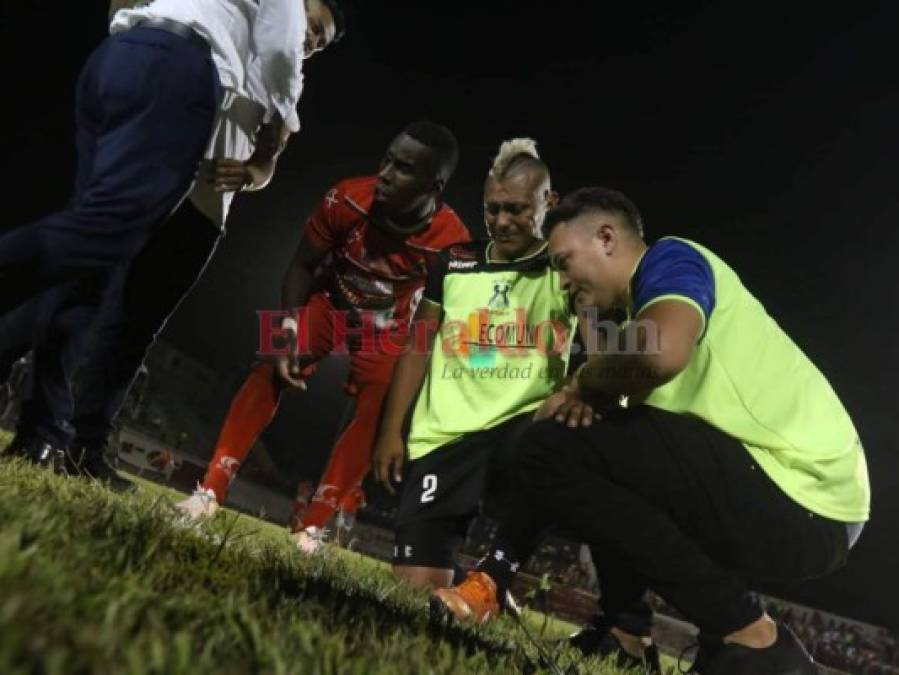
(733,464)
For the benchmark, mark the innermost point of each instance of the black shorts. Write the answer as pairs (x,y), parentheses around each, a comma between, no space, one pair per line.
(445,490)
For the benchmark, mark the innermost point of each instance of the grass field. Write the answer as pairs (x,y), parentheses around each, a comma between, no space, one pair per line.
(95,582)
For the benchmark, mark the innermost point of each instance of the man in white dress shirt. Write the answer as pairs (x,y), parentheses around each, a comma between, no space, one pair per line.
(148,101)
(136,299)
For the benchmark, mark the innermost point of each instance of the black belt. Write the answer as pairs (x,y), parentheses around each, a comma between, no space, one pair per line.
(180,29)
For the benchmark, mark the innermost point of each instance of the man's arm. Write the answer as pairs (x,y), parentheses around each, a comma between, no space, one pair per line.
(567,405)
(651,351)
(278,35)
(297,284)
(295,291)
(408,375)
(270,143)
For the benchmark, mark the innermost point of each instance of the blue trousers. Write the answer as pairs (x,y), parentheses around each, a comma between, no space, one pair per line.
(145,108)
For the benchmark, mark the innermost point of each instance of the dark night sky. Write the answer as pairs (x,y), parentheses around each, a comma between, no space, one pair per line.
(768,135)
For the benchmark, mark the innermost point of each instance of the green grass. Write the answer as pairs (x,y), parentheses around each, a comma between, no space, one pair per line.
(94,582)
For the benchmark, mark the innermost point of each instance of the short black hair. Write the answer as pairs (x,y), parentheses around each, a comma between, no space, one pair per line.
(442,142)
(339,19)
(588,199)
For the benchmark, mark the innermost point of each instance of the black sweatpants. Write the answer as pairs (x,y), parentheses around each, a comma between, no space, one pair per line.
(667,503)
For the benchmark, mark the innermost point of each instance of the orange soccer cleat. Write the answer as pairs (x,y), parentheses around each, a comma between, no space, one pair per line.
(473,600)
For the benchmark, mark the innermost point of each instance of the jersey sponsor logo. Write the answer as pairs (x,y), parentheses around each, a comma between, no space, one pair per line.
(462,264)
(513,334)
(491,332)
(487,329)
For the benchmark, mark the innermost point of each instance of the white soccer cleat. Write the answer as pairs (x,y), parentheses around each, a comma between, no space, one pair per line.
(309,540)
(200,505)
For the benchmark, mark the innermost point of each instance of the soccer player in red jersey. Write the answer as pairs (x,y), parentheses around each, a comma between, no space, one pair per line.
(356,279)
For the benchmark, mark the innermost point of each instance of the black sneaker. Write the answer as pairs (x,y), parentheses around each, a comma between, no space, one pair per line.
(596,639)
(94,464)
(786,656)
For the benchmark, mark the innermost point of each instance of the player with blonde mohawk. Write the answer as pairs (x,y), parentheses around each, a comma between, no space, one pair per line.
(487,306)
(492,364)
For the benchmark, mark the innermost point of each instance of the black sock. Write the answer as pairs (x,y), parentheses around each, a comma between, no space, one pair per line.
(501,566)
(459,574)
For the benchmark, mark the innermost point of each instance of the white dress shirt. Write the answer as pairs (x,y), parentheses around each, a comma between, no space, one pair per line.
(234,137)
(257,46)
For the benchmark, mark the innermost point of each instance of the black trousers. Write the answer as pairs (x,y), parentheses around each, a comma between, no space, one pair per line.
(667,503)
(157,281)
(101,328)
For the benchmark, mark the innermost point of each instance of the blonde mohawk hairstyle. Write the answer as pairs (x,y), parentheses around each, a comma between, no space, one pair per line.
(511,150)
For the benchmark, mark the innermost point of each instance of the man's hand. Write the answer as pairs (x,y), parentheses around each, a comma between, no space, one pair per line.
(389,454)
(288,365)
(567,407)
(229,175)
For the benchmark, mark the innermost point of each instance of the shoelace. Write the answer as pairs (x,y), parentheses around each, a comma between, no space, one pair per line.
(512,607)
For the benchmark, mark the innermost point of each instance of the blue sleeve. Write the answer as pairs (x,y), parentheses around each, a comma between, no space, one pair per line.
(673,267)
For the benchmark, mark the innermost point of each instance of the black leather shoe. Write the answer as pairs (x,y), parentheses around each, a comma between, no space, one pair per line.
(93,464)
(786,656)
(38,451)
(596,639)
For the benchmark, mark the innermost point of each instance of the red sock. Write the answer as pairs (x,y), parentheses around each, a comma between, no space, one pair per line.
(353,500)
(251,412)
(350,459)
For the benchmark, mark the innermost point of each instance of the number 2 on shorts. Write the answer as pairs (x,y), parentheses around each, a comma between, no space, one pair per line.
(429,487)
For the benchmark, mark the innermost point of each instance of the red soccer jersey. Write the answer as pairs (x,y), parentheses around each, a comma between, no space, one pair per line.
(371,268)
